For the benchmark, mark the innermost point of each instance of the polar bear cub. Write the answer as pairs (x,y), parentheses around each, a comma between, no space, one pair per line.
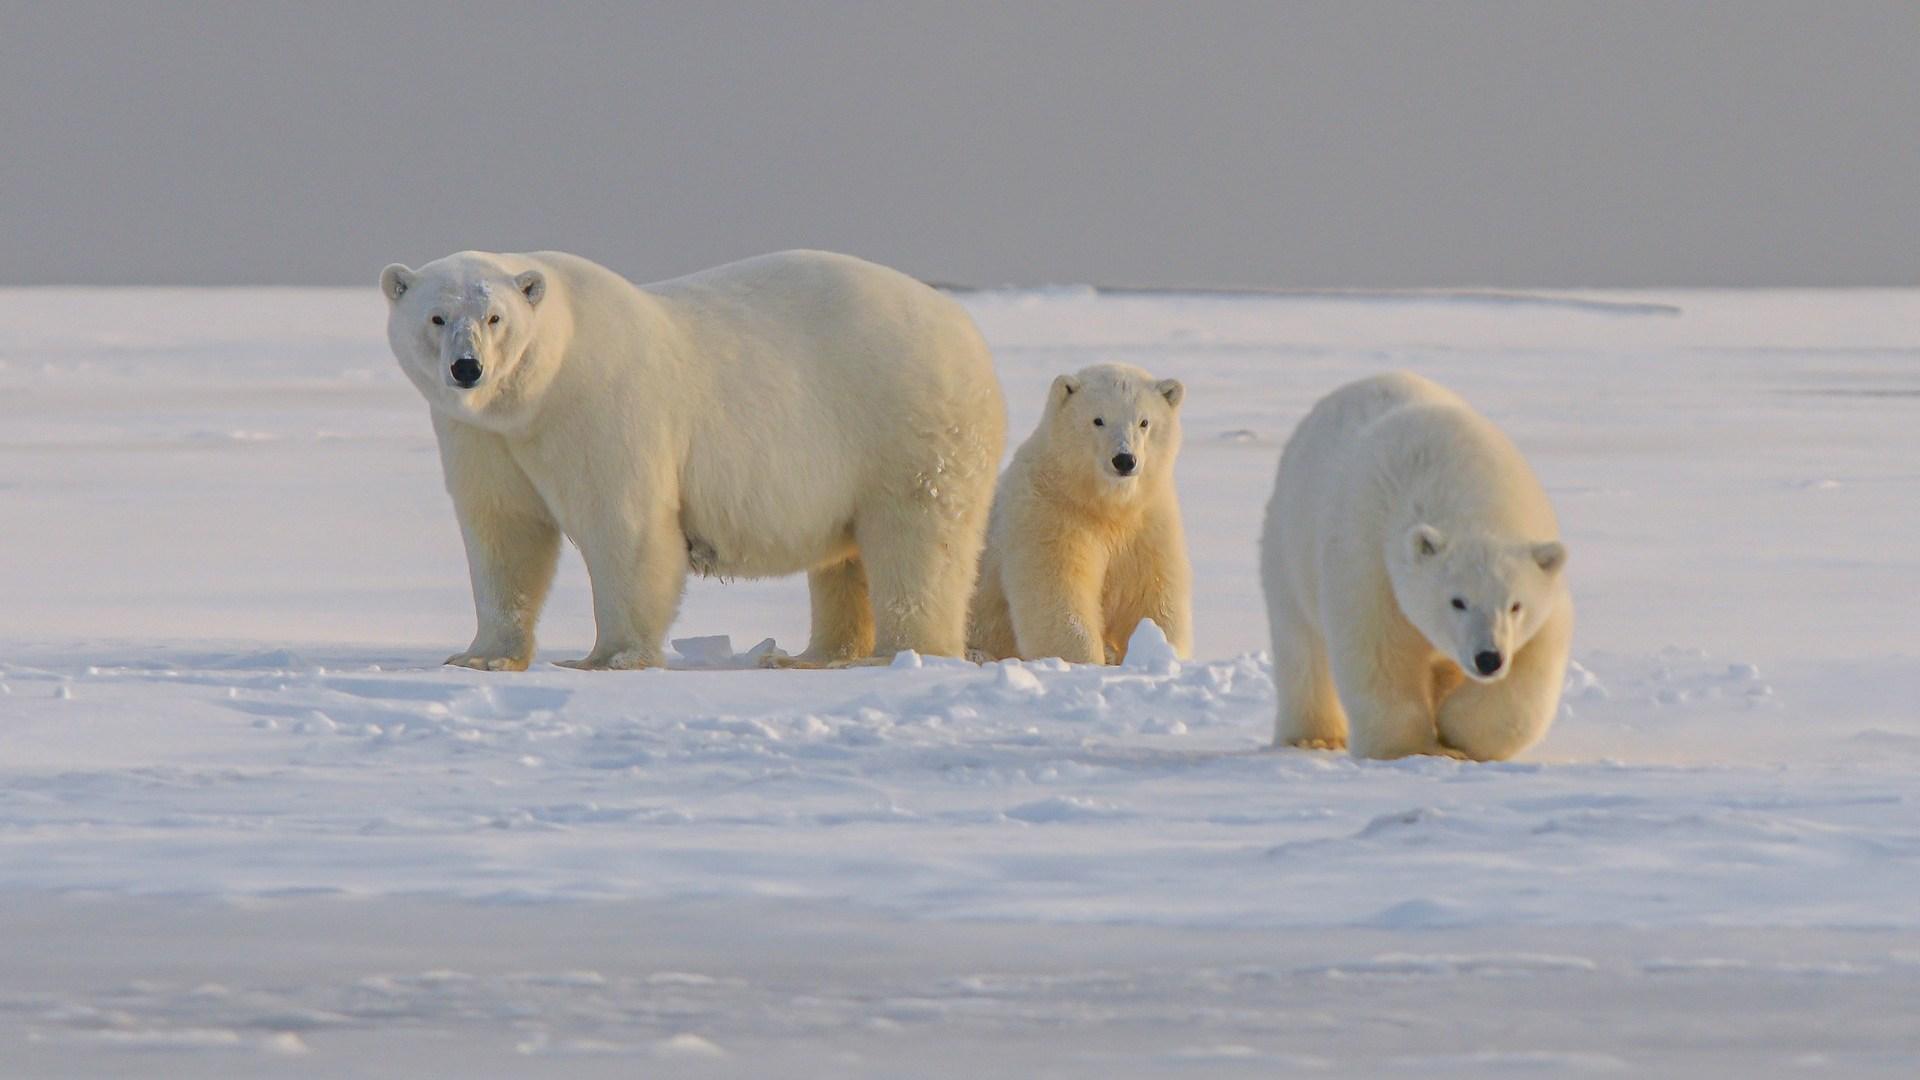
(1085,537)
(1412,569)
(794,412)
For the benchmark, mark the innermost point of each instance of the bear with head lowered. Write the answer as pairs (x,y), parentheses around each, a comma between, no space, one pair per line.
(1085,538)
(794,412)
(1413,574)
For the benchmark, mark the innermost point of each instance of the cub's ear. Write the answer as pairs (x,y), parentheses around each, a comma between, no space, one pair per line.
(395,280)
(1425,541)
(1551,556)
(1171,390)
(532,285)
(1064,387)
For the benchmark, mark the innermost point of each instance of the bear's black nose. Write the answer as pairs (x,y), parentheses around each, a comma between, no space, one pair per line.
(1124,464)
(466,371)
(1487,662)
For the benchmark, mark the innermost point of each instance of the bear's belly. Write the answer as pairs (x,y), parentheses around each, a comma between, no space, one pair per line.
(724,554)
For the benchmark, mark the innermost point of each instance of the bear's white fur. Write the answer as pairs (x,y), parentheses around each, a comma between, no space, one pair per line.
(1407,537)
(794,412)
(1077,553)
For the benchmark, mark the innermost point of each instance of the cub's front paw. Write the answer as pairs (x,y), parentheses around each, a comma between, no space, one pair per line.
(624,660)
(485,662)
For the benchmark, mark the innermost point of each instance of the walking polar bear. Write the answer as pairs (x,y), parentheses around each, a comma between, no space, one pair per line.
(1412,569)
(798,411)
(1085,538)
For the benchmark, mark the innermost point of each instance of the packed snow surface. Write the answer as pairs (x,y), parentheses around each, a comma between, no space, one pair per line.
(228,573)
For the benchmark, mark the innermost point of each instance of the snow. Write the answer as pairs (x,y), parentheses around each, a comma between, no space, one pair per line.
(244,816)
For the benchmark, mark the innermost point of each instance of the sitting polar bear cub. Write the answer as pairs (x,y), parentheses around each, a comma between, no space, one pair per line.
(1085,537)
(1412,569)
(800,411)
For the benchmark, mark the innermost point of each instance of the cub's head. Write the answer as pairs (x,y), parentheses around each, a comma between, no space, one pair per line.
(461,327)
(1115,424)
(1477,599)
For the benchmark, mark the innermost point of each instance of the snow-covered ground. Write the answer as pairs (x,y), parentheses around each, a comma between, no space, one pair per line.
(247,823)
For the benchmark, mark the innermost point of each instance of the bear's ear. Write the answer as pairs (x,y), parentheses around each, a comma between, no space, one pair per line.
(1171,390)
(1551,556)
(532,285)
(1064,387)
(395,280)
(1425,541)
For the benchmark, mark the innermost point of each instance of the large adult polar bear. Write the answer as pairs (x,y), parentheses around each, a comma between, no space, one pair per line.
(1412,567)
(797,411)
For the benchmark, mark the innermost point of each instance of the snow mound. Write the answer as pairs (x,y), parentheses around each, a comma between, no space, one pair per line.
(1149,650)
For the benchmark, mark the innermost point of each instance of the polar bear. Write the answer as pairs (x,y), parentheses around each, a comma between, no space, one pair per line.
(797,411)
(1412,569)
(1085,537)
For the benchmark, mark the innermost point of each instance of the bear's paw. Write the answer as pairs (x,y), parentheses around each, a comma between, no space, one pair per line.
(623,660)
(1318,744)
(485,662)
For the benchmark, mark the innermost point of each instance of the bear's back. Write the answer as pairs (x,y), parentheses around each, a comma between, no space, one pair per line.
(1433,452)
(829,288)
(1400,445)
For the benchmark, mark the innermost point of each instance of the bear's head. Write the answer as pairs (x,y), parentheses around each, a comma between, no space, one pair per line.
(1476,598)
(1115,426)
(462,328)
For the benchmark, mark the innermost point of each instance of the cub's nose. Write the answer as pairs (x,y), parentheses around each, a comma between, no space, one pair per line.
(1487,662)
(466,371)
(1124,464)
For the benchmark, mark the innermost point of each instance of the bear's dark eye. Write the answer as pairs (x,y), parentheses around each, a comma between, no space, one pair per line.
(438,321)
(492,319)
(1143,423)
(1515,608)
(1098,422)
(1459,604)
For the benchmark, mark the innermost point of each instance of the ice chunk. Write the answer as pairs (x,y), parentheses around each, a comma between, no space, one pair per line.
(705,651)
(767,647)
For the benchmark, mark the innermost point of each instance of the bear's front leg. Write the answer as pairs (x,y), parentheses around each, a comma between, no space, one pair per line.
(1385,725)
(511,562)
(1053,595)
(637,576)
(1309,715)
(1161,571)
(512,545)
(1383,677)
(1494,721)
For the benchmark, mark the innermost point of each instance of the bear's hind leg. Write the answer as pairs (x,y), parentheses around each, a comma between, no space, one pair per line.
(989,623)
(920,575)
(842,617)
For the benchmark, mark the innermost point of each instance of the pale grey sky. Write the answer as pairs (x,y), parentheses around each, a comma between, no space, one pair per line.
(1346,143)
